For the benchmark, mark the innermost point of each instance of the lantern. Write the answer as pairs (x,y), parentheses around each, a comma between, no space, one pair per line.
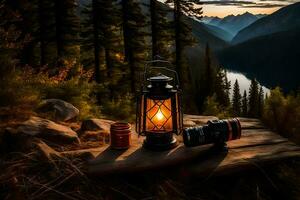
(159,114)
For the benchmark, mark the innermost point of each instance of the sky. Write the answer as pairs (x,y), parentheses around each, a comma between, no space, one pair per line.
(222,8)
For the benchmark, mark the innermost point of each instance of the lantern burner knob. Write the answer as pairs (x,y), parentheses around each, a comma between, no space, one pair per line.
(160,78)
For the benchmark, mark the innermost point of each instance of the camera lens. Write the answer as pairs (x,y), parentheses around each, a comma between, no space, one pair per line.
(216,131)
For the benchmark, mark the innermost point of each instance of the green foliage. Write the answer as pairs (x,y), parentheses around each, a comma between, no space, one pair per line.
(16,91)
(236,100)
(26,88)
(283,113)
(212,107)
(78,92)
(253,107)
(245,104)
(121,108)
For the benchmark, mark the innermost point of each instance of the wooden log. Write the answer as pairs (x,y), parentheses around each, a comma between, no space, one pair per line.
(256,146)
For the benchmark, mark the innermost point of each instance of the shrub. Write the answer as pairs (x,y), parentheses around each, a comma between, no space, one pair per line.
(282,113)
(212,107)
(120,108)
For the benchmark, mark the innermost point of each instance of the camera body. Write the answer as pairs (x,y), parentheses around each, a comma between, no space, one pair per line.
(217,132)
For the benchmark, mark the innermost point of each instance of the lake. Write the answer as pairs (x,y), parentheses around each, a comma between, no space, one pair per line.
(244,82)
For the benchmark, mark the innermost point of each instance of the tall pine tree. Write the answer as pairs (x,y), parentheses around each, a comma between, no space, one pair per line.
(236,99)
(222,87)
(67,26)
(134,33)
(245,104)
(260,102)
(183,36)
(253,109)
(161,30)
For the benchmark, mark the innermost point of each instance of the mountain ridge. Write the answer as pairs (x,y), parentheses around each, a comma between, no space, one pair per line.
(282,20)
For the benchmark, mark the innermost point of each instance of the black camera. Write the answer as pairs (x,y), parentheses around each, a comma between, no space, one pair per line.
(216,131)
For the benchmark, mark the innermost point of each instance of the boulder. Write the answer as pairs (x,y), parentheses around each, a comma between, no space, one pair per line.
(12,141)
(46,153)
(48,130)
(96,125)
(95,136)
(63,111)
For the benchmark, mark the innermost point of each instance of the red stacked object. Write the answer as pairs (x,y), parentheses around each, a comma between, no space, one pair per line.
(120,135)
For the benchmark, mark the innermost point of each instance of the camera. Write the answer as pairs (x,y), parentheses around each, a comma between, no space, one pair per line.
(217,132)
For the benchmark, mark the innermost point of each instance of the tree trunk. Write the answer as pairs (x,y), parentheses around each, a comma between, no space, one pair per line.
(95,17)
(58,25)
(154,28)
(178,45)
(42,33)
(127,46)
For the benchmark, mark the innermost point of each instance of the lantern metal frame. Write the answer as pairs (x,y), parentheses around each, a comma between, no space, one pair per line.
(159,90)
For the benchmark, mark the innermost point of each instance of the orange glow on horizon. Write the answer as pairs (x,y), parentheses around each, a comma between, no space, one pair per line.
(223,11)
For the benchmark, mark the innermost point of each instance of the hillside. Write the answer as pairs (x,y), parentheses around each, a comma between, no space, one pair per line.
(273,59)
(282,20)
(203,36)
(233,23)
(219,32)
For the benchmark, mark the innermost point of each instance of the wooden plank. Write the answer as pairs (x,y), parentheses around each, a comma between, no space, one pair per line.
(250,123)
(253,144)
(257,145)
(246,123)
(243,158)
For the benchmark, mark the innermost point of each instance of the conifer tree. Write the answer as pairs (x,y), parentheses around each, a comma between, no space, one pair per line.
(67,29)
(135,48)
(222,87)
(182,31)
(253,99)
(46,32)
(161,30)
(205,85)
(236,99)
(260,101)
(102,40)
(245,105)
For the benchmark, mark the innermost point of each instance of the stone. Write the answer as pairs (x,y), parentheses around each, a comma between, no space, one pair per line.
(48,130)
(79,154)
(12,141)
(96,125)
(63,111)
(46,153)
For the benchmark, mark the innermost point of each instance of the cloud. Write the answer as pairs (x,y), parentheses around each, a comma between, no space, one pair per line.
(250,4)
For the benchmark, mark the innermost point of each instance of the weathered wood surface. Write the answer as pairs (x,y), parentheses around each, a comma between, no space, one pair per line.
(257,145)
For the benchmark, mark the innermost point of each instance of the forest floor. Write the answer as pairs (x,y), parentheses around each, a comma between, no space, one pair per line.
(26,176)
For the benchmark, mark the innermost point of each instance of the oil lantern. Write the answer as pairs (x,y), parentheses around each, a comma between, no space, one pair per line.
(159,113)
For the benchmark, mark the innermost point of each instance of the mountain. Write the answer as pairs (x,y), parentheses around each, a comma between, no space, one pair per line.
(282,20)
(272,59)
(233,23)
(219,32)
(203,36)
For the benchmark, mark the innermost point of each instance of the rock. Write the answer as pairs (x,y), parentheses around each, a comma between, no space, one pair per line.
(63,111)
(79,154)
(96,125)
(12,141)
(46,153)
(95,136)
(48,130)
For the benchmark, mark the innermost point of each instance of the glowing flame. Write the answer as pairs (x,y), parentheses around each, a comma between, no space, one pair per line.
(159,115)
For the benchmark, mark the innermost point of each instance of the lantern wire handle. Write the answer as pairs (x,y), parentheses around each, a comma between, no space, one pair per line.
(148,66)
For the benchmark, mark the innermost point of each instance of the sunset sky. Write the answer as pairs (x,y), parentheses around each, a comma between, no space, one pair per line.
(223,8)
